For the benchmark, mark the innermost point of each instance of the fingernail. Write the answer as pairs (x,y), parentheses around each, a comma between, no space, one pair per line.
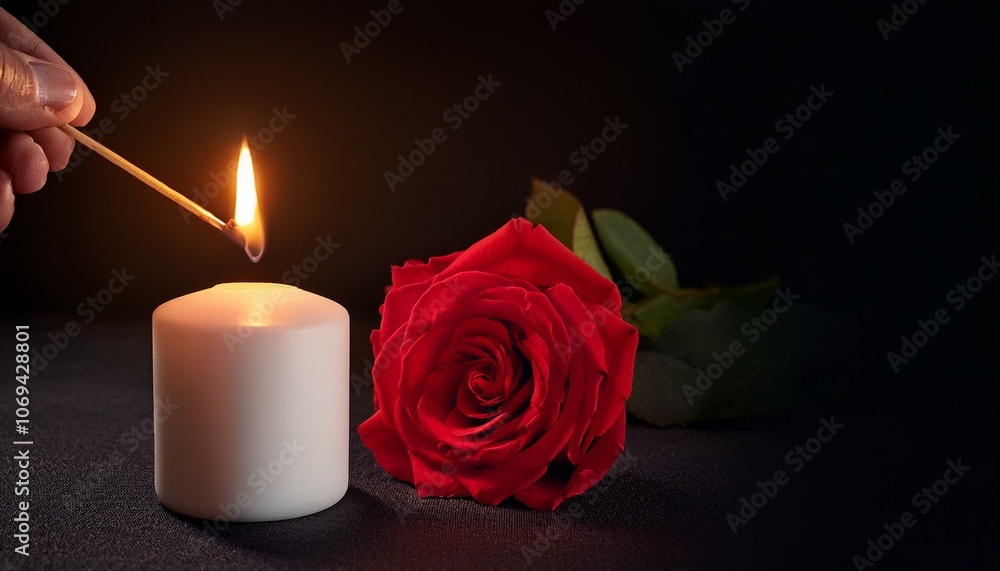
(56,85)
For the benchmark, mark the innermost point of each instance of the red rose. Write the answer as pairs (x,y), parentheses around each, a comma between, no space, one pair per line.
(501,371)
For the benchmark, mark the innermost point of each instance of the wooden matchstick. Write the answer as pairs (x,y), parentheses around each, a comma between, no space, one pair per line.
(147,178)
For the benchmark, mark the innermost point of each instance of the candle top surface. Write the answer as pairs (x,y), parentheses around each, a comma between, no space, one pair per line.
(252,305)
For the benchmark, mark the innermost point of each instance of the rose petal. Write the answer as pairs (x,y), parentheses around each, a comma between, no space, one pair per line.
(548,493)
(498,368)
(418,365)
(619,368)
(587,348)
(535,256)
(385,376)
(398,309)
(384,442)
(416,271)
(434,479)
(554,438)
(490,485)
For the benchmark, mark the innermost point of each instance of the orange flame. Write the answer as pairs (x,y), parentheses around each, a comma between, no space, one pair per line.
(247,218)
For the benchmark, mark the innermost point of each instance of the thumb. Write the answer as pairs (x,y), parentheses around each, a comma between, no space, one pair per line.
(35,94)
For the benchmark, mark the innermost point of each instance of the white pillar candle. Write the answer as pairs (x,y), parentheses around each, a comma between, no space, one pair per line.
(251,385)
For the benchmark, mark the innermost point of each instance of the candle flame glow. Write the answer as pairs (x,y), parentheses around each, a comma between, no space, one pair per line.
(246,188)
(248,220)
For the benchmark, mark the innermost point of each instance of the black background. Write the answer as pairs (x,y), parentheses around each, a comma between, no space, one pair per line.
(323,175)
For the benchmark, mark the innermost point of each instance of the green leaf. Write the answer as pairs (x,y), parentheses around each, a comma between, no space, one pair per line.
(653,314)
(645,265)
(563,216)
(672,385)
(650,316)
(658,390)
(555,209)
(585,245)
(752,296)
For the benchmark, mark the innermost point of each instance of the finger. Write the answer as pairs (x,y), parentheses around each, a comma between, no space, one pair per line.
(25,162)
(58,146)
(20,38)
(6,200)
(35,93)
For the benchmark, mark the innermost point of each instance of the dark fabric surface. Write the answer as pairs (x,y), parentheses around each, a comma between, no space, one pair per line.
(93,503)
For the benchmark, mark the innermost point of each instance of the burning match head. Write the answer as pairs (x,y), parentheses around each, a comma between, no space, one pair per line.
(252,246)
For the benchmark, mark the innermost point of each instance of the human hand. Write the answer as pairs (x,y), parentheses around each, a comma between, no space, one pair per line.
(38,92)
